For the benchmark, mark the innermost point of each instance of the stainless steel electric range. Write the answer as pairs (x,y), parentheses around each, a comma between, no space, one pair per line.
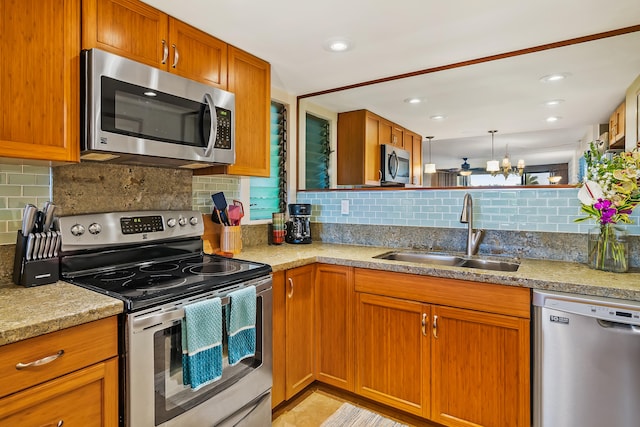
(153,261)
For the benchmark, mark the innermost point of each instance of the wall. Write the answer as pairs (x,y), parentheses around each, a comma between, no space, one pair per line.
(543,210)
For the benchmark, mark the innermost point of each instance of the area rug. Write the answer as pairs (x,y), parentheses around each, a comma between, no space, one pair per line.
(351,416)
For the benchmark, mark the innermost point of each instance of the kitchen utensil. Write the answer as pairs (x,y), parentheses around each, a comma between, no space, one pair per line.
(29,218)
(53,241)
(48,212)
(36,245)
(58,243)
(235,214)
(220,202)
(39,225)
(47,244)
(28,251)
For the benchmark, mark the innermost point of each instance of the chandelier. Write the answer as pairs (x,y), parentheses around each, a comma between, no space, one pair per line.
(505,168)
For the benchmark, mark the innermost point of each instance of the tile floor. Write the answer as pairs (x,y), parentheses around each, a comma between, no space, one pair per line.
(310,412)
(316,405)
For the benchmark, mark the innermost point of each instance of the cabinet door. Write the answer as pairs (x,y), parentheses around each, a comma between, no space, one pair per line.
(397,136)
(392,352)
(127,28)
(197,55)
(279,342)
(250,80)
(300,329)
(480,369)
(385,131)
(335,360)
(88,397)
(413,144)
(39,79)
(372,170)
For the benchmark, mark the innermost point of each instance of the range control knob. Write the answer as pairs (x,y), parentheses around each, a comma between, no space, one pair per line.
(193,220)
(171,222)
(182,221)
(95,228)
(77,230)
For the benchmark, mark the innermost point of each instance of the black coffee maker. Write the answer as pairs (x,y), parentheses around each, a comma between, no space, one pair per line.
(299,225)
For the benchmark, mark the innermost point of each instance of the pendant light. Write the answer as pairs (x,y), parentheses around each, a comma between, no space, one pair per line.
(493,166)
(429,167)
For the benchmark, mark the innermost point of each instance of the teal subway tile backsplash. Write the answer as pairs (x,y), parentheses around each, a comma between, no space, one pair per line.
(20,185)
(530,209)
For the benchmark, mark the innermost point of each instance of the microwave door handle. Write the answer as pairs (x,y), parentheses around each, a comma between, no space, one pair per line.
(393,164)
(208,100)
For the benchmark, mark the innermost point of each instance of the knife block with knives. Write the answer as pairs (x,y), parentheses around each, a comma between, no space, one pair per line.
(36,259)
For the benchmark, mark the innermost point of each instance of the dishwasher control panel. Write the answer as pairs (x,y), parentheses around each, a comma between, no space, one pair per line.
(624,313)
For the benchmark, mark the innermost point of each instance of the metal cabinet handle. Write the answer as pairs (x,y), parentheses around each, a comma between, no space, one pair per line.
(290,294)
(165,52)
(176,56)
(40,362)
(435,326)
(424,324)
(60,423)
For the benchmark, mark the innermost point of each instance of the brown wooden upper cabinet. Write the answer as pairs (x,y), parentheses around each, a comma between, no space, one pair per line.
(616,127)
(40,49)
(360,134)
(134,30)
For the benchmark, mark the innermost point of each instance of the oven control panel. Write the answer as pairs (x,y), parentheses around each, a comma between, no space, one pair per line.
(91,231)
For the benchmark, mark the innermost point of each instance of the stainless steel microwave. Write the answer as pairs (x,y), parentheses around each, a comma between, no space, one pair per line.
(395,165)
(137,114)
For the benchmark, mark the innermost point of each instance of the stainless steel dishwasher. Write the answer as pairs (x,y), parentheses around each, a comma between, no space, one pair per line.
(586,361)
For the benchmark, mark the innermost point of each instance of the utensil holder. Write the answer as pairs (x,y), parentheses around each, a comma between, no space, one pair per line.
(277,229)
(231,239)
(33,272)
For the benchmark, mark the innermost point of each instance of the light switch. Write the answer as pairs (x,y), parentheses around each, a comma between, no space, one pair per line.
(344,207)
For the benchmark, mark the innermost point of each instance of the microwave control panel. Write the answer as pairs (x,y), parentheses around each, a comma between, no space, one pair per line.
(223,136)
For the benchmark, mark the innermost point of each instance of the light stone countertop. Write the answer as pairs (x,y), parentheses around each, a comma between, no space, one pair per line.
(29,312)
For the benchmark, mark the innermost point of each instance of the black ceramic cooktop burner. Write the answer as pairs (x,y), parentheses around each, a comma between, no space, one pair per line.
(161,267)
(155,282)
(214,268)
(113,276)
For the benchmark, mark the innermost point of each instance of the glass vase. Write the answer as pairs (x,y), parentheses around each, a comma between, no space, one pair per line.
(608,249)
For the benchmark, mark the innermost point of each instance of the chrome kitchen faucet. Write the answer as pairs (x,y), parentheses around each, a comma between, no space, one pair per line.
(466,217)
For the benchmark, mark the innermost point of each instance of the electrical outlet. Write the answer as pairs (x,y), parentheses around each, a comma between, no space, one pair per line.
(344,207)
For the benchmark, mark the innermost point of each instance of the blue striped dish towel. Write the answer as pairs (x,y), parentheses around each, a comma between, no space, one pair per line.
(202,343)
(241,324)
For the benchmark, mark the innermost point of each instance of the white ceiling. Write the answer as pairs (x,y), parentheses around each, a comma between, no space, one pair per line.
(392,38)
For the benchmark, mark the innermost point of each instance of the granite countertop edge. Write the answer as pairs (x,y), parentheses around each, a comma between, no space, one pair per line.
(30,312)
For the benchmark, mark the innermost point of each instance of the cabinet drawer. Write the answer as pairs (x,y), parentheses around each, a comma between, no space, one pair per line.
(82,345)
(84,398)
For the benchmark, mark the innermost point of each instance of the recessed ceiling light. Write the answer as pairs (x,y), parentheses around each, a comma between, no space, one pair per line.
(338,44)
(438,117)
(553,102)
(553,119)
(554,77)
(413,100)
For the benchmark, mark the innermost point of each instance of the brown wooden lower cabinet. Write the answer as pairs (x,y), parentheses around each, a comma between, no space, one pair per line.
(78,388)
(452,351)
(335,344)
(480,369)
(279,341)
(300,342)
(392,352)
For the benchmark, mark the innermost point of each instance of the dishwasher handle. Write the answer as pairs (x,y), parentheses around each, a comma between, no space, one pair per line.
(631,329)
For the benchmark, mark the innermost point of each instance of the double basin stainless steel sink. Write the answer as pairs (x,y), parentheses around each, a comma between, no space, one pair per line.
(450,260)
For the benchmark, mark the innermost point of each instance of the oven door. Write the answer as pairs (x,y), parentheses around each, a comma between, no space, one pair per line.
(154,393)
